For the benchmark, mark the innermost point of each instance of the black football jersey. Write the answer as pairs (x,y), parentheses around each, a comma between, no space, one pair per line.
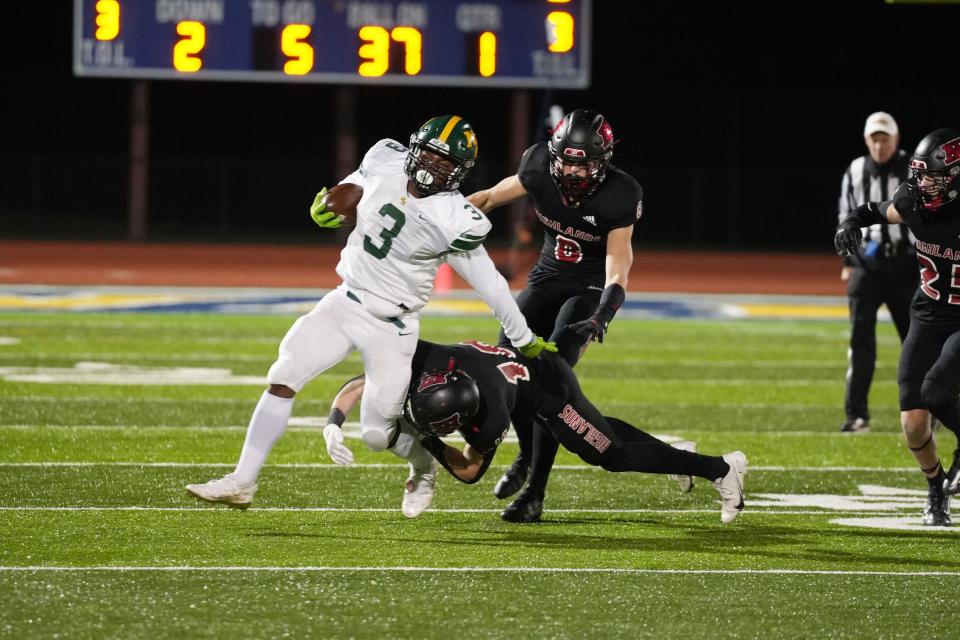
(506,380)
(938,251)
(575,238)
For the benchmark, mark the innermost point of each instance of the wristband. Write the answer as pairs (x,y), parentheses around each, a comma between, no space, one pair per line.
(336,417)
(610,302)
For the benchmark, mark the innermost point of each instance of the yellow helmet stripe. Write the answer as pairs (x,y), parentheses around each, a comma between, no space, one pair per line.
(451,123)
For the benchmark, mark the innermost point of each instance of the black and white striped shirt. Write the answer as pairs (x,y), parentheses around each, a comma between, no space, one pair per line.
(864,182)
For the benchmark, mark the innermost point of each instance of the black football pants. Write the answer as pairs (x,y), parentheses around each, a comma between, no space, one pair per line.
(929,371)
(611,443)
(866,291)
(548,307)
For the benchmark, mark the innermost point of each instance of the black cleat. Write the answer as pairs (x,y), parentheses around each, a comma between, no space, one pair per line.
(951,486)
(937,511)
(526,508)
(512,480)
(855,425)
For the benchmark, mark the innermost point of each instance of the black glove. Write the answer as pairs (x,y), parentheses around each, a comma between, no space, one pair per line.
(595,326)
(592,328)
(847,240)
(849,234)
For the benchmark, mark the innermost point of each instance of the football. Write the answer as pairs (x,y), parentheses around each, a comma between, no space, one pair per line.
(343,200)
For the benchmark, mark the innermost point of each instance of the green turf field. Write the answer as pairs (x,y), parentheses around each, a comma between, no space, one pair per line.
(104,418)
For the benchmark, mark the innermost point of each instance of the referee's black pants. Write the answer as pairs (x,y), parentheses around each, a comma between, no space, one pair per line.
(866,291)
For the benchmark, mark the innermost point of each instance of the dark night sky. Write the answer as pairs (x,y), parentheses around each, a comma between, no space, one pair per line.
(754,102)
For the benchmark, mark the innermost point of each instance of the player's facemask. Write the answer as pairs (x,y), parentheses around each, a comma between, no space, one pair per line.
(935,188)
(442,152)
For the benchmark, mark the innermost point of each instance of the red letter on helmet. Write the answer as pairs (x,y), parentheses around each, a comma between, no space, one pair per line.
(447,425)
(433,380)
(952,151)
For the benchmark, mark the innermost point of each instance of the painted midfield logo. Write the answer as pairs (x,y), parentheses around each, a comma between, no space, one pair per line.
(888,505)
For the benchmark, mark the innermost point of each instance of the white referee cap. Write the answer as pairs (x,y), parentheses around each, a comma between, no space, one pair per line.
(880,122)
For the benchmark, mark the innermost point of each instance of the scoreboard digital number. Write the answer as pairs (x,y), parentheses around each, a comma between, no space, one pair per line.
(507,43)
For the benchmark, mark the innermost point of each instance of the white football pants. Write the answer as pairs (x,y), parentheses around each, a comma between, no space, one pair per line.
(338,325)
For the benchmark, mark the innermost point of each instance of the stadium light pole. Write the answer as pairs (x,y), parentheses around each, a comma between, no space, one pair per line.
(345,144)
(139,161)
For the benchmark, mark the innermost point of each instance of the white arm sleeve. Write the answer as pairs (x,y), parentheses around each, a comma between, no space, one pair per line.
(478,270)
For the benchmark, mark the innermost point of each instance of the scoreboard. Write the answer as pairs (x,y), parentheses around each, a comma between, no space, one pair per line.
(495,43)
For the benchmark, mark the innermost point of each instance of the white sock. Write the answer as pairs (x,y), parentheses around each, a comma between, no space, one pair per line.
(267,424)
(409,448)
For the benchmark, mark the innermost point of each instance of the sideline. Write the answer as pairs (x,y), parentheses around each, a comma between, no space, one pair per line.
(241,300)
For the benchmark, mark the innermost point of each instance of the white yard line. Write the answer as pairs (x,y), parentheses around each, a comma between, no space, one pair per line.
(165,399)
(321,569)
(312,423)
(222,510)
(327,465)
(102,356)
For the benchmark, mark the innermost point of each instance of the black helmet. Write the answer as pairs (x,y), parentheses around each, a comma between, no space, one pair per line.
(938,158)
(450,137)
(582,138)
(441,401)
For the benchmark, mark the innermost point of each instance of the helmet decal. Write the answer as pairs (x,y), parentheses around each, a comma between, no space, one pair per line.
(448,424)
(606,133)
(951,151)
(432,379)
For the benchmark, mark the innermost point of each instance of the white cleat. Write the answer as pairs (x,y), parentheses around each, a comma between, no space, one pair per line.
(685,482)
(226,490)
(730,486)
(418,492)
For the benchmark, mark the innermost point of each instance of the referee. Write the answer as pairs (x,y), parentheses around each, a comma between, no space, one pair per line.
(884,270)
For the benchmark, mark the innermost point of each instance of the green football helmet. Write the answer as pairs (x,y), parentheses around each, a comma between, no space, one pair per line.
(441,154)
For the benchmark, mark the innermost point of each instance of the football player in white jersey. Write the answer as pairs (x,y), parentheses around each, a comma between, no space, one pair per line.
(410,219)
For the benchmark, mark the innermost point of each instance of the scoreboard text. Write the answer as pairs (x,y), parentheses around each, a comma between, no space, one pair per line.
(511,43)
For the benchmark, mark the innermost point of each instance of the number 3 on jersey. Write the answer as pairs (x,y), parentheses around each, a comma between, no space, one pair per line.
(387,235)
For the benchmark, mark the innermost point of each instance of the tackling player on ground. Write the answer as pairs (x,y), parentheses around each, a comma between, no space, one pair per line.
(929,369)
(477,389)
(410,219)
(587,208)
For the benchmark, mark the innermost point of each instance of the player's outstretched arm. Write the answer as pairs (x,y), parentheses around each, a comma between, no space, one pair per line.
(619,261)
(467,466)
(478,270)
(343,403)
(504,192)
(849,233)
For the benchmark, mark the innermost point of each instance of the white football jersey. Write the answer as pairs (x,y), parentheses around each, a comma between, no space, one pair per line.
(400,241)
